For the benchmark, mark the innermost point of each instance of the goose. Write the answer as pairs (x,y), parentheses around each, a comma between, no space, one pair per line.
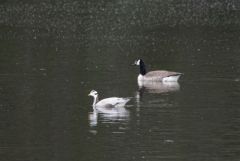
(108,105)
(158,75)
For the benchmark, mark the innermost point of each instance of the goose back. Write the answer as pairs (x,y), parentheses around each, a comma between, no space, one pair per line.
(113,101)
(160,75)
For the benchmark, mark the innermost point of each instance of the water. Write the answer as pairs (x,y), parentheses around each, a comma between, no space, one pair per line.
(45,78)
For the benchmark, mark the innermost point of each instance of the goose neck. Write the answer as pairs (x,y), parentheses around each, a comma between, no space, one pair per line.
(142,68)
(95,100)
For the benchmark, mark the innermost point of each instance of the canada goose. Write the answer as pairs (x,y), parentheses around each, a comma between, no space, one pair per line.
(108,105)
(158,75)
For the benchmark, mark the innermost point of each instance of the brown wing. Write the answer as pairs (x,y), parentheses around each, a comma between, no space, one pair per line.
(161,74)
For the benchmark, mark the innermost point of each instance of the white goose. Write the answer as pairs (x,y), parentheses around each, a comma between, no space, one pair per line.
(158,75)
(108,105)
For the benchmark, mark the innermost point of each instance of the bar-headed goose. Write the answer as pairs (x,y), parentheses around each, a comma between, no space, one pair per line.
(158,75)
(108,105)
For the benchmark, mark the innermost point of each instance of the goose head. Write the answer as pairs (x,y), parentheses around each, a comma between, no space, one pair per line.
(93,93)
(138,62)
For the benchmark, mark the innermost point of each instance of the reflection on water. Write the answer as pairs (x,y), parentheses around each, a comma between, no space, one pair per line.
(158,87)
(96,117)
(155,87)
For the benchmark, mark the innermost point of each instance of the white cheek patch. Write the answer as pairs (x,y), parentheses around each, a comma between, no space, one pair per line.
(137,62)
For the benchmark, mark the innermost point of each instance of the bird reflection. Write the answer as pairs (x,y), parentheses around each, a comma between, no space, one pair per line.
(96,117)
(155,87)
(158,87)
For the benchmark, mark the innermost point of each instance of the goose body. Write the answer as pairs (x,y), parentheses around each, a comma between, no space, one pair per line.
(113,101)
(108,105)
(158,75)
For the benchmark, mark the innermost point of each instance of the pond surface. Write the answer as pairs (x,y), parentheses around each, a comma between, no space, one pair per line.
(46,114)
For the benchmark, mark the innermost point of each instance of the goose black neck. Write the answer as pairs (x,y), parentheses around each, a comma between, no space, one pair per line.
(142,68)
